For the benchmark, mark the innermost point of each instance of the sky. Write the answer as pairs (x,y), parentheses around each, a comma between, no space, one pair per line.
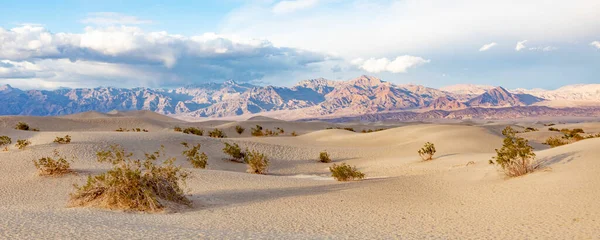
(515,44)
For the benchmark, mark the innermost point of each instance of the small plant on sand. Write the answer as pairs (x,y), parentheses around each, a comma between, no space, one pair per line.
(257,162)
(53,166)
(553,129)
(294,134)
(22,143)
(324,157)
(216,133)
(61,140)
(133,184)
(239,129)
(122,130)
(193,130)
(25,127)
(531,129)
(193,154)
(555,142)
(257,131)
(234,151)
(177,129)
(516,157)
(427,151)
(5,141)
(344,172)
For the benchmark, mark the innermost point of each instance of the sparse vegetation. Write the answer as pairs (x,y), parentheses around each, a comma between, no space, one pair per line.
(344,172)
(324,157)
(269,132)
(294,134)
(239,129)
(281,131)
(549,124)
(61,140)
(177,129)
(427,151)
(516,157)
(5,141)
(569,136)
(216,133)
(257,131)
(555,142)
(234,151)
(193,130)
(531,129)
(25,127)
(346,128)
(193,154)
(53,166)
(257,162)
(133,184)
(22,143)
(371,130)
(553,129)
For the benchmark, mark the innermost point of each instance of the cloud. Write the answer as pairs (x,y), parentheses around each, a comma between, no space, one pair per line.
(166,59)
(289,6)
(112,18)
(400,65)
(487,47)
(595,44)
(520,45)
(544,49)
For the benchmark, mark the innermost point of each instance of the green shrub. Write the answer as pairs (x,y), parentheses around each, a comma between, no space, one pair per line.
(239,129)
(198,160)
(555,142)
(23,126)
(427,151)
(52,166)
(234,151)
(193,130)
(324,157)
(516,157)
(345,172)
(22,143)
(5,141)
(257,131)
(65,140)
(257,162)
(216,133)
(133,184)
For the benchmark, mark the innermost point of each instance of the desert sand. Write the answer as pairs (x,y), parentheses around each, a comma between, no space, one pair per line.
(458,195)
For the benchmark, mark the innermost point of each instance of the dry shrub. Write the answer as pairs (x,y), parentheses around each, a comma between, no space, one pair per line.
(53,166)
(531,129)
(427,151)
(216,133)
(22,126)
(294,134)
(257,131)
(133,184)
(239,129)
(5,141)
(193,130)
(22,143)
(257,162)
(345,172)
(65,140)
(516,157)
(234,151)
(177,129)
(555,142)
(553,129)
(193,154)
(324,157)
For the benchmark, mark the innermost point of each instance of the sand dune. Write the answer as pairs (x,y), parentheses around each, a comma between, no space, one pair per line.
(458,195)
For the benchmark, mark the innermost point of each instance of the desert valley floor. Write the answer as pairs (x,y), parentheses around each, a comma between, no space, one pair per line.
(458,195)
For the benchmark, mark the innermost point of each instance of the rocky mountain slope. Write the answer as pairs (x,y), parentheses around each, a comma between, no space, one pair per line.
(314,97)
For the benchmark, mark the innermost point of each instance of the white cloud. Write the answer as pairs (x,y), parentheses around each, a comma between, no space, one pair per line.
(400,65)
(293,5)
(112,18)
(595,44)
(544,49)
(487,46)
(520,45)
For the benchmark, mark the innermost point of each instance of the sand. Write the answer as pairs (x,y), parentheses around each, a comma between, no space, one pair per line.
(402,197)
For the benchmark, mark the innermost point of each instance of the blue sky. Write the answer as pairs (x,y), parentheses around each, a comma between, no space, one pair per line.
(516,44)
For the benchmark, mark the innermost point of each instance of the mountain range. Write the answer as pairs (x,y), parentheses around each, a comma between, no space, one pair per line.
(314,98)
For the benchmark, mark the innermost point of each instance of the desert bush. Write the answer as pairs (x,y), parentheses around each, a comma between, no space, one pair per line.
(345,172)
(324,157)
(122,130)
(555,142)
(530,129)
(52,166)
(427,151)
(239,129)
(234,151)
(257,162)
(294,134)
(216,133)
(5,141)
(268,132)
(22,126)
(193,130)
(281,131)
(177,129)
(193,154)
(516,157)
(346,128)
(549,124)
(22,143)
(61,140)
(257,131)
(553,129)
(133,184)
